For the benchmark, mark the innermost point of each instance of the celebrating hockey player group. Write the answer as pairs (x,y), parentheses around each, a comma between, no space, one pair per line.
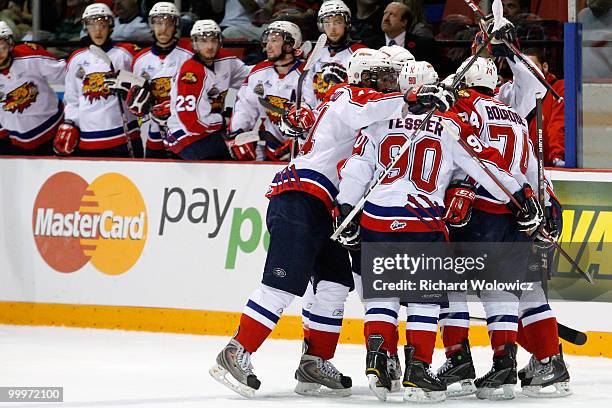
(396,155)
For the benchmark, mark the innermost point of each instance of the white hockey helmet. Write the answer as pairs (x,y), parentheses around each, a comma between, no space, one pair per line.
(398,56)
(97,11)
(205,28)
(7,34)
(333,8)
(164,9)
(415,74)
(482,73)
(366,59)
(290,32)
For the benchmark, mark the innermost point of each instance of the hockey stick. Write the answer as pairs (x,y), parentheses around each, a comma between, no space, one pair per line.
(566,333)
(255,136)
(312,59)
(541,187)
(404,148)
(493,178)
(521,57)
(99,52)
(276,109)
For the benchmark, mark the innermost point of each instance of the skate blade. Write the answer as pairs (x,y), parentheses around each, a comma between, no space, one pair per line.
(379,392)
(317,390)
(460,389)
(491,394)
(420,396)
(561,389)
(221,375)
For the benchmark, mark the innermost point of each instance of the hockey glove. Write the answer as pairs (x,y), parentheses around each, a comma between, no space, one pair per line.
(160,113)
(66,139)
(529,216)
(139,100)
(349,238)
(120,82)
(458,200)
(427,97)
(293,125)
(282,152)
(333,74)
(507,31)
(243,152)
(553,224)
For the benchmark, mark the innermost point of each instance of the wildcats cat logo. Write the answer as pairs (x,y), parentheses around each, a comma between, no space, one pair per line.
(160,88)
(281,102)
(189,78)
(93,86)
(19,99)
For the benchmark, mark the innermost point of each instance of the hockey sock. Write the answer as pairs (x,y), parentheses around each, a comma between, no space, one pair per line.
(381,318)
(260,315)
(326,319)
(542,335)
(501,309)
(307,301)
(522,339)
(421,329)
(454,322)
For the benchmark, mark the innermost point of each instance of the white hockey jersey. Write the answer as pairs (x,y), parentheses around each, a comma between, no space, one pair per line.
(411,197)
(198,97)
(501,127)
(30,110)
(330,56)
(345,110)
(90,104)
(279,90)
(159,68)
(520,93)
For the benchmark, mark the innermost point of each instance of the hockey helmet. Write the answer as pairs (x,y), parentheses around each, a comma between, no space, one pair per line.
(415,74)
(7,34)
(482,73)
(333,8)
(367,60)
(290,32)
(164,9)
(98,11)
(398,56)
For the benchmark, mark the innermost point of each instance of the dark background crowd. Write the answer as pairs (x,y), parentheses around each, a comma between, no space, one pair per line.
(438,31)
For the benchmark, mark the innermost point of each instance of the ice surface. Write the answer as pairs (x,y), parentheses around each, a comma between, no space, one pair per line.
(107,368)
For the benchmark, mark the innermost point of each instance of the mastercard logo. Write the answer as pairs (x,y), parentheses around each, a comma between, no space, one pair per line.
(75,222)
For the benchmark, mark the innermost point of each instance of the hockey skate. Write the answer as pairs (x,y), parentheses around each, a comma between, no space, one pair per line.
(501,376)
(537,377)
(235,361)
(377,367)
(459,369)
(421,384)
(313,372)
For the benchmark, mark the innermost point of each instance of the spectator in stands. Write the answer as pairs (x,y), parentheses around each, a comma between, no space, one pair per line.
(129,24)
(239,14)
(366,18)
(553,125)
(397,20)
(514,8)
(15,14)
(418,24)
(596,21)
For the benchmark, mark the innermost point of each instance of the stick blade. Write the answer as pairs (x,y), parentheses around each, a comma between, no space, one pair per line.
(99,53)
(247,137)
(314,55)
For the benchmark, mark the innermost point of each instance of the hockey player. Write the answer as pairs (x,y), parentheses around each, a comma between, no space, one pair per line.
(385,218)
(158,64)
(300,225)
(197,125)
(334,19)
(501,127)
(31,112)
(94,120)
(275,81)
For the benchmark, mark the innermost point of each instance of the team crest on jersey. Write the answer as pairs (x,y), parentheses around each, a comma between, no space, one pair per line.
(94,87)
(160,89)
(259,89)
(463,93)
(32,46)
(279,102)
(217,100)
(80,73)
(189,77)
(320,86)
(19,99)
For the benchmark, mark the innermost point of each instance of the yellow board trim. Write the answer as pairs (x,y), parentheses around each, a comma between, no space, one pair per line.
(217,323)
